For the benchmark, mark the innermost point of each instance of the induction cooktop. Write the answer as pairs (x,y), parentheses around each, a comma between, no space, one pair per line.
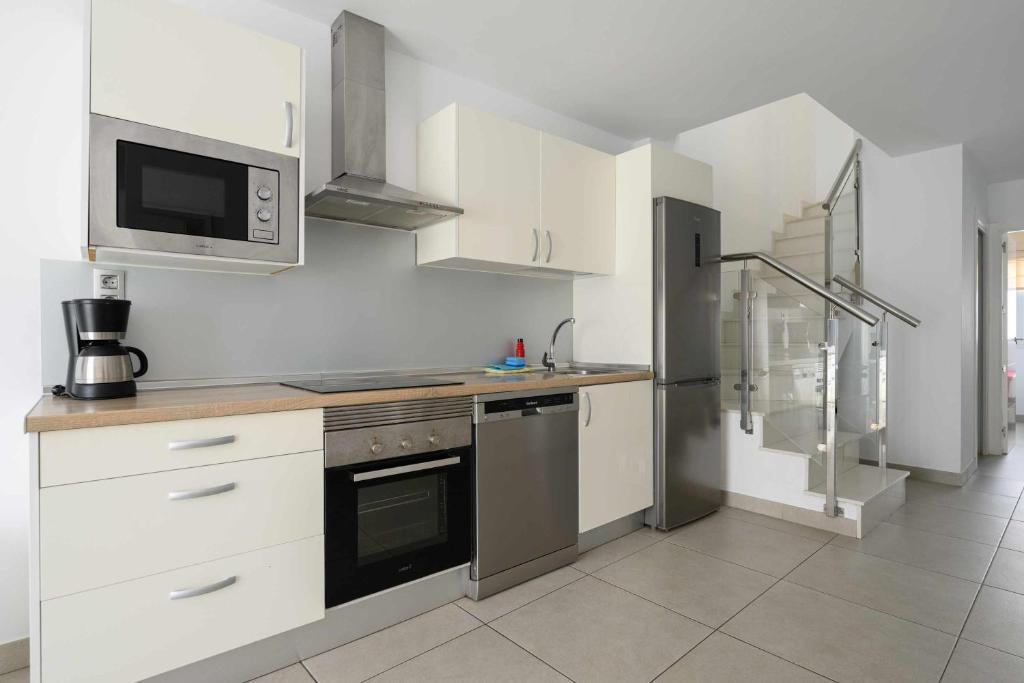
(337,386)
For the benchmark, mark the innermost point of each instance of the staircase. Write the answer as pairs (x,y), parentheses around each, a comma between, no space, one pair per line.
(788,324)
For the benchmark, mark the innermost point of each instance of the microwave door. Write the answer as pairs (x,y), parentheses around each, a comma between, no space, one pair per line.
(160,190)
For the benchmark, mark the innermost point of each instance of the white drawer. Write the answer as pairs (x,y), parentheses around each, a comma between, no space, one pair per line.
(132,630)
(102,532)
(76,455)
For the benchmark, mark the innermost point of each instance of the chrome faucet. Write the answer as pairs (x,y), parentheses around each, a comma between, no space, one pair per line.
(549,356)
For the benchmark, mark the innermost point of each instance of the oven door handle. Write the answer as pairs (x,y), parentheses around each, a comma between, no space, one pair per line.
(405,469)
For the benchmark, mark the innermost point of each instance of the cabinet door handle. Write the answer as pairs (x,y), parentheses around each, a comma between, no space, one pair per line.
(547,233)
(201,493)
(289,123)
(200,443)
(183,593)
(590,409)
(536,244)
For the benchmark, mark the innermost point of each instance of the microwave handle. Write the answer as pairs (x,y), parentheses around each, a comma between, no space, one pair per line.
(405,469)
(289,123)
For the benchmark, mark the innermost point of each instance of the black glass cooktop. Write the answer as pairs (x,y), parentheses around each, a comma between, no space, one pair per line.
(337,386)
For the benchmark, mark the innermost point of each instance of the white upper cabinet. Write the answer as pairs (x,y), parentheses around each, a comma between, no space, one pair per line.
(534,203)
(577,206)
(157,63)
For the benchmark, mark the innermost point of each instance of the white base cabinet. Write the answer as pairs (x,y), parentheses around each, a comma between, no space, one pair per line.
(133,630)
(616,437)
(535,204)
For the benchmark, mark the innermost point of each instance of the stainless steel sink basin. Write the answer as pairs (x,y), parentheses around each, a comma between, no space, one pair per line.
(582,371)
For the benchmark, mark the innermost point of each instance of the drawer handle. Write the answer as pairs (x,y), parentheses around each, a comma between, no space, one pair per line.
(200,443)
(183,593)
(201,493)
(590,409)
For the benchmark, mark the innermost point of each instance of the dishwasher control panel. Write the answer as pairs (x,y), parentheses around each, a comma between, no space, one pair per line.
(510,406)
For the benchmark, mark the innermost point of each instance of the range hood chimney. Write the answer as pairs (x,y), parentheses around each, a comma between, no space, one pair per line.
(359,192)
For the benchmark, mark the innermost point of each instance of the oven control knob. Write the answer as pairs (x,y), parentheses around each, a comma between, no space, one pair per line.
(406,444)
(264,193)
(376,448)
(264,215)
(434,440)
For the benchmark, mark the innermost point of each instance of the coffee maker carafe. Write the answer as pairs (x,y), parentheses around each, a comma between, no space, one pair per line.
(98,365)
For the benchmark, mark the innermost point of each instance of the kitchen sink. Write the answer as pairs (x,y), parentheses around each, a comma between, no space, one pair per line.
(581,371)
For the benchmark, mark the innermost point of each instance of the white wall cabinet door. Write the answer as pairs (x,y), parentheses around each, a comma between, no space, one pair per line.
(577,201)
(499,188)
(616,436)
(161,64)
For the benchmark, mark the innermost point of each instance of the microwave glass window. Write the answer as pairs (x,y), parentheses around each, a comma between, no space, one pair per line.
(396,517)
(164,190)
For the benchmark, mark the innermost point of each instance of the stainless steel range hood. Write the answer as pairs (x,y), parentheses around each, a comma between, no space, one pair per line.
(359,193)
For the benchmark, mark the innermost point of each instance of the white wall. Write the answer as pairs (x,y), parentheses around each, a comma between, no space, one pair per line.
(768,162)
(913,223)
(44,48)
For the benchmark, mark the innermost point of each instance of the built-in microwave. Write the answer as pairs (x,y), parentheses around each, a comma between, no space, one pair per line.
(161,190)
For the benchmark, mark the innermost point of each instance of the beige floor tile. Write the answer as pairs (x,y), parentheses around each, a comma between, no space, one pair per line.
(696,585)
(1018,512)
(972,663)
(997,620)
(1014,537)
(613,551)
(960,498)
(19,676)
(480,655)
(724,659)
(296,673)
(1007,571)
(949,521)
(936,600)
(756,547)
(493,607)
(593,631)
(809,628)
(944,554)
(778,524)
(1009,466)
(1003,487)
(382,650)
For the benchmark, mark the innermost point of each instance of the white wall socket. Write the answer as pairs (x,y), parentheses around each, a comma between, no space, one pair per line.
(107,284)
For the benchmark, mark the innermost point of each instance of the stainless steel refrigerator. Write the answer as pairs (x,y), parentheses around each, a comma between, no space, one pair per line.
(687,373)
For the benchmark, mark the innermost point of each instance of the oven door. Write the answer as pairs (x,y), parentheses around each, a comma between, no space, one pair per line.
(392,521)
(160,190)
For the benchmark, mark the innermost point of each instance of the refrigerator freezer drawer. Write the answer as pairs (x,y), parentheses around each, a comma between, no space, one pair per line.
(687,452)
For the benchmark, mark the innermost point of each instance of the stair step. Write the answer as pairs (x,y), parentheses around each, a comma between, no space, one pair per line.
(863,483)
(790,245)
(803,227)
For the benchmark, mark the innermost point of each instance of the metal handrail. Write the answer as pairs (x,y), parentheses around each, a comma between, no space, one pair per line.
(834,192)
(801,279)
(876,300)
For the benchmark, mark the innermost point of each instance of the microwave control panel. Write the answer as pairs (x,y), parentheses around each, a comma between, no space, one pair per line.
(263,206)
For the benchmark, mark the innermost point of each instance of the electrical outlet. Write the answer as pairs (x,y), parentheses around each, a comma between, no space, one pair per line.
(108,284)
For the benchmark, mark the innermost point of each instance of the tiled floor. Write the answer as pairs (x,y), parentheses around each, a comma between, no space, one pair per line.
(934,593)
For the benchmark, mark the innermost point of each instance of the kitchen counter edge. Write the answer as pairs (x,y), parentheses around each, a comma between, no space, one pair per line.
(165,405)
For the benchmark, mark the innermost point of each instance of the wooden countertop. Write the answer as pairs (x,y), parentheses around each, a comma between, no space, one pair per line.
(161,405)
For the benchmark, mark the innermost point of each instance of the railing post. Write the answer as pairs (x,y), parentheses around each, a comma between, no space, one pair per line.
(746,298)
(881,405)
(828,445)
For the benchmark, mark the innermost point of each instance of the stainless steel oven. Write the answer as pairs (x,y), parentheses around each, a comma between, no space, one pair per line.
(398,493)
(160,190)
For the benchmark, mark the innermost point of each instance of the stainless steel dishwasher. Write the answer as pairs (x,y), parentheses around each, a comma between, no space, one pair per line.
(527,487)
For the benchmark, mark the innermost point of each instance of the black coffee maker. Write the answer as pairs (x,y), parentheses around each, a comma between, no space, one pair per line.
(98,366)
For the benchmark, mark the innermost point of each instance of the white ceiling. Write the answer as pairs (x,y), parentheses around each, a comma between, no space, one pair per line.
(908,74)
